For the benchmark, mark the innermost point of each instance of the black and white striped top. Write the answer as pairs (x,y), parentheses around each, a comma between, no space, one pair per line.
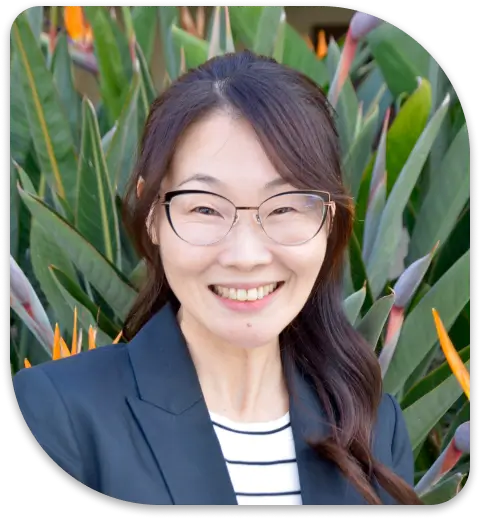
(261,460)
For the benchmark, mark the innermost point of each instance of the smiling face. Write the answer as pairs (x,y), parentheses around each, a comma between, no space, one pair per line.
(245,288)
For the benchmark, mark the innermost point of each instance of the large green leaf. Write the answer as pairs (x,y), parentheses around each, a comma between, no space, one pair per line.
(168,17)
(147,92)
(95,215)
(69,97)
(462,416)
(87,312)
(120,152)
(353,304)
(35,19)
(20,139)
(245,20)
(110,283)
(269,24)
(389,231)
(400,58)
(359,153)
(449,296)
(445,199)
(114,78)
(196,50)
(425,413)
(372,324)
(49,127)
(145,23)
(432,380)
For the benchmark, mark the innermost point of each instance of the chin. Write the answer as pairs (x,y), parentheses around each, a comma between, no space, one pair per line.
(249,334)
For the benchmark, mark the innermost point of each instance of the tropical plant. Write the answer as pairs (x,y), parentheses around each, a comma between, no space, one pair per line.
(405,153)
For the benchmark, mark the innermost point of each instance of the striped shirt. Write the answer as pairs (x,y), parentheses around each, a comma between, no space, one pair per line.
(261,460)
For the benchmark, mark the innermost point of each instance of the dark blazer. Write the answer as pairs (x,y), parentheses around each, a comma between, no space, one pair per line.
(130,421)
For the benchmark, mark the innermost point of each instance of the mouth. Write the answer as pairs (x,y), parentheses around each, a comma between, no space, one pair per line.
(246,295)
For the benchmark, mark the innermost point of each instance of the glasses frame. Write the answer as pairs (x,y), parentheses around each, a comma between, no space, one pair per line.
(170,195)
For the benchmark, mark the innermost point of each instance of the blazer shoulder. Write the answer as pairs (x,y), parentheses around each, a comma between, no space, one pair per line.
(392,439)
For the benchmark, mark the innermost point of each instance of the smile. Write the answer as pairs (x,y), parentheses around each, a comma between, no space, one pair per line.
(245,294)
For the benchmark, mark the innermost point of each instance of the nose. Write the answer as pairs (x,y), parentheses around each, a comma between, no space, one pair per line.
(246,246)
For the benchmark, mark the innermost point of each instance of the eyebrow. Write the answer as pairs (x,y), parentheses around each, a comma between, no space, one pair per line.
(213,181)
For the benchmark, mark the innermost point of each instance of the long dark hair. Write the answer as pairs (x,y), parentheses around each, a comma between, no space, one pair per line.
(295,125)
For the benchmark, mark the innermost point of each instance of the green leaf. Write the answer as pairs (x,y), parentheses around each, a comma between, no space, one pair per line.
(95,216)
(144,24)
(147,88)
(359,153)
(357,268)
(168,17)
(110,283)
(89,314)
(462,416)
(445,199)
(14,212)
(425,413)
(418,333)
(20,139)
(373,91)
(220,33)
(138,275)
(114,79)
(269,24)
(196,50)
(432,380)
(353,304)
(400,58)
(372,324)
(296,53)
(389,232)
(49,128)
(69,97)
(444,490)
(120,153)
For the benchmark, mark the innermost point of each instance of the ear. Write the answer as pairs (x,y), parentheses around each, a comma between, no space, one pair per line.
(151,227)
(140,185)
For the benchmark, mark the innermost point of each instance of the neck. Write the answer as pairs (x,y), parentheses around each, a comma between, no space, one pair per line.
(237,382)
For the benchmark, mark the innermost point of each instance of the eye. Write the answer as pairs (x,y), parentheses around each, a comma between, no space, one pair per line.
(207,211)
(283,210)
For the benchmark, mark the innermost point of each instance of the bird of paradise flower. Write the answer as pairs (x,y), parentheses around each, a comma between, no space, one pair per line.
(60,349)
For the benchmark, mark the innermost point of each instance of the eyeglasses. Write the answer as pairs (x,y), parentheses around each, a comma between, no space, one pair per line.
(204,218)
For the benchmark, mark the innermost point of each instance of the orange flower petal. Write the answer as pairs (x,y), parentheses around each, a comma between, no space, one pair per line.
(74,339)
(64,348)
(56,344)
(322,47)
(455,362)
(91,338)
(77,27)
(118,337)
(27,364)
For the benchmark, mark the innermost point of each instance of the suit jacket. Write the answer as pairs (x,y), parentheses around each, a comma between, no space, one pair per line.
(130,421)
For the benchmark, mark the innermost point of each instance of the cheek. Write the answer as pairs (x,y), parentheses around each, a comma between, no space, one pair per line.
(306,261)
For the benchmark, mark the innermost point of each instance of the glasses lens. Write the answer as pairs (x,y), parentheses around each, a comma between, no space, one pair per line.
(293,218)
(201,219)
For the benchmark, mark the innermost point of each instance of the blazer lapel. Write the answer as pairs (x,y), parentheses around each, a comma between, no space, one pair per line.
(321,482)
(173,415)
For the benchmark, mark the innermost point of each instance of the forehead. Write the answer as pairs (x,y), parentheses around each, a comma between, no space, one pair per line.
(226,148)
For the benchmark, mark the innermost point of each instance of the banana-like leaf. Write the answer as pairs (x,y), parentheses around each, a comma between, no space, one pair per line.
(168,17)
(449,296)
(145,23)
(269,25)
(357,269)
(353,304)
(359,153)
(148,92)
(196,50)
(20,139)
(389,234)
(220,39)
(372,324)
(121,150)
(431,381)
(462,416)
(88,313)
(114,78)
(296,53)
(108,281)
(35,19)
(445,199)
(49,128)
(400,58)
(95,215)
(373,91)
(69,97)
(138,275)
(425,413)
(444,491)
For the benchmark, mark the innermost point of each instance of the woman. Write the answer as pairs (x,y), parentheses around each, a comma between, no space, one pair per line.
(243,381)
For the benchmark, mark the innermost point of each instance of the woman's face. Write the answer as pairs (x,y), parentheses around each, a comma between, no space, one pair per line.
(228,156)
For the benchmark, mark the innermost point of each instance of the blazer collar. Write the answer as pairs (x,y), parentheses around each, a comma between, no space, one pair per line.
(171,410)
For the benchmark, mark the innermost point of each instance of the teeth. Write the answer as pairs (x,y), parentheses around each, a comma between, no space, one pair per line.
(241,294)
